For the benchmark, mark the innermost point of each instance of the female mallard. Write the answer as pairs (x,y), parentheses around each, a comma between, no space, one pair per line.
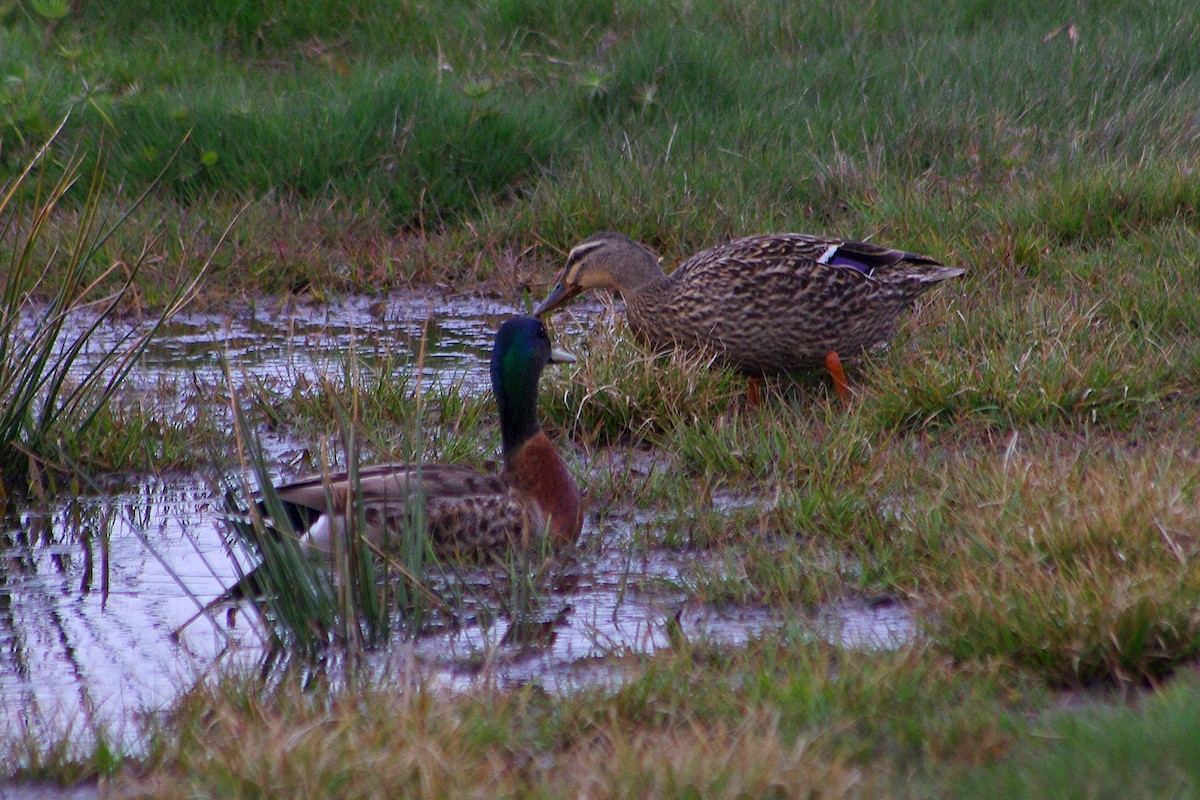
(763,304)
(466,513)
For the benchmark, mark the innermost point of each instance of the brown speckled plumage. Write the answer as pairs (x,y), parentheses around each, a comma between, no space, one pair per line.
(764,304)
(467,513)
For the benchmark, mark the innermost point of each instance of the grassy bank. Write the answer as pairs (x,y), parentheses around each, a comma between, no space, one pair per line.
(1018,467)
(494,136)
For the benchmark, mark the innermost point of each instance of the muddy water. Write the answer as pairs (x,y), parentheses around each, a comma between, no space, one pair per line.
(94,591)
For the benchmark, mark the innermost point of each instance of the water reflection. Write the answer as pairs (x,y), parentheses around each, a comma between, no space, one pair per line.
(90,593)
(93,592)
(882,624)
(608,609)
(302,340)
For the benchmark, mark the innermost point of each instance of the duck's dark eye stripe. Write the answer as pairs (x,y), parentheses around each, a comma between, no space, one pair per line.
(580,250)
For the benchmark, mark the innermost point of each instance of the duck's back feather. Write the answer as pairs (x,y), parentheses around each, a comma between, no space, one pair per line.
(779,302)
(465,512)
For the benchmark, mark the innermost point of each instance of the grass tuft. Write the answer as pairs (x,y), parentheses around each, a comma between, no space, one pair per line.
(1080,568)
(53,402)
(619,393)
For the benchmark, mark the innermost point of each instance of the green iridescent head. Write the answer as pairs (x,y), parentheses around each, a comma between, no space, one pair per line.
(522,350)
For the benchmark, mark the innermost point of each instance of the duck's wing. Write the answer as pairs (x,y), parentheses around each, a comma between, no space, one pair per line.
(386,483)
(754,254)
(895,265)
(464,511)
(802,254)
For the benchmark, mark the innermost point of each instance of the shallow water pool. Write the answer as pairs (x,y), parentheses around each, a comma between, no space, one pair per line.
(95,591)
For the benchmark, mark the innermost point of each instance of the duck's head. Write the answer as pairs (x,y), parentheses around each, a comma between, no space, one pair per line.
(521,351)
(604,261)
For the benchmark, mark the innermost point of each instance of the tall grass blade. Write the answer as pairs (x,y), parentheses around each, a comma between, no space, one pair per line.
(49,396)
(297,600)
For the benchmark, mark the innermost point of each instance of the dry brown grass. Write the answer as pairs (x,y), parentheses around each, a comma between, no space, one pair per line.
(780,719)
(1076,563)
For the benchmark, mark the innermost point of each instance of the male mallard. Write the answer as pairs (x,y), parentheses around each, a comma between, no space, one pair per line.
(466,513)
(764,304)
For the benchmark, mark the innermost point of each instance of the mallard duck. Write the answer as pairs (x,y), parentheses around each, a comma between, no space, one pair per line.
(467,513)
(763,304)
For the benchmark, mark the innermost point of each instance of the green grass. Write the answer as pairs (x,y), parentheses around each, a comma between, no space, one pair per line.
(1077,563)
(1146,750)
(809,115)
(394,410)
(1017,467)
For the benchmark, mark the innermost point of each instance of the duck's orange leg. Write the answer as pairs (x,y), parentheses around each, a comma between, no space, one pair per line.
(834,365)
(753,391)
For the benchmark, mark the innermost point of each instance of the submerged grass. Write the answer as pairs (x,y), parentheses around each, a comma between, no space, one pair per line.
(396,411)
(322,605)
(298,600)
